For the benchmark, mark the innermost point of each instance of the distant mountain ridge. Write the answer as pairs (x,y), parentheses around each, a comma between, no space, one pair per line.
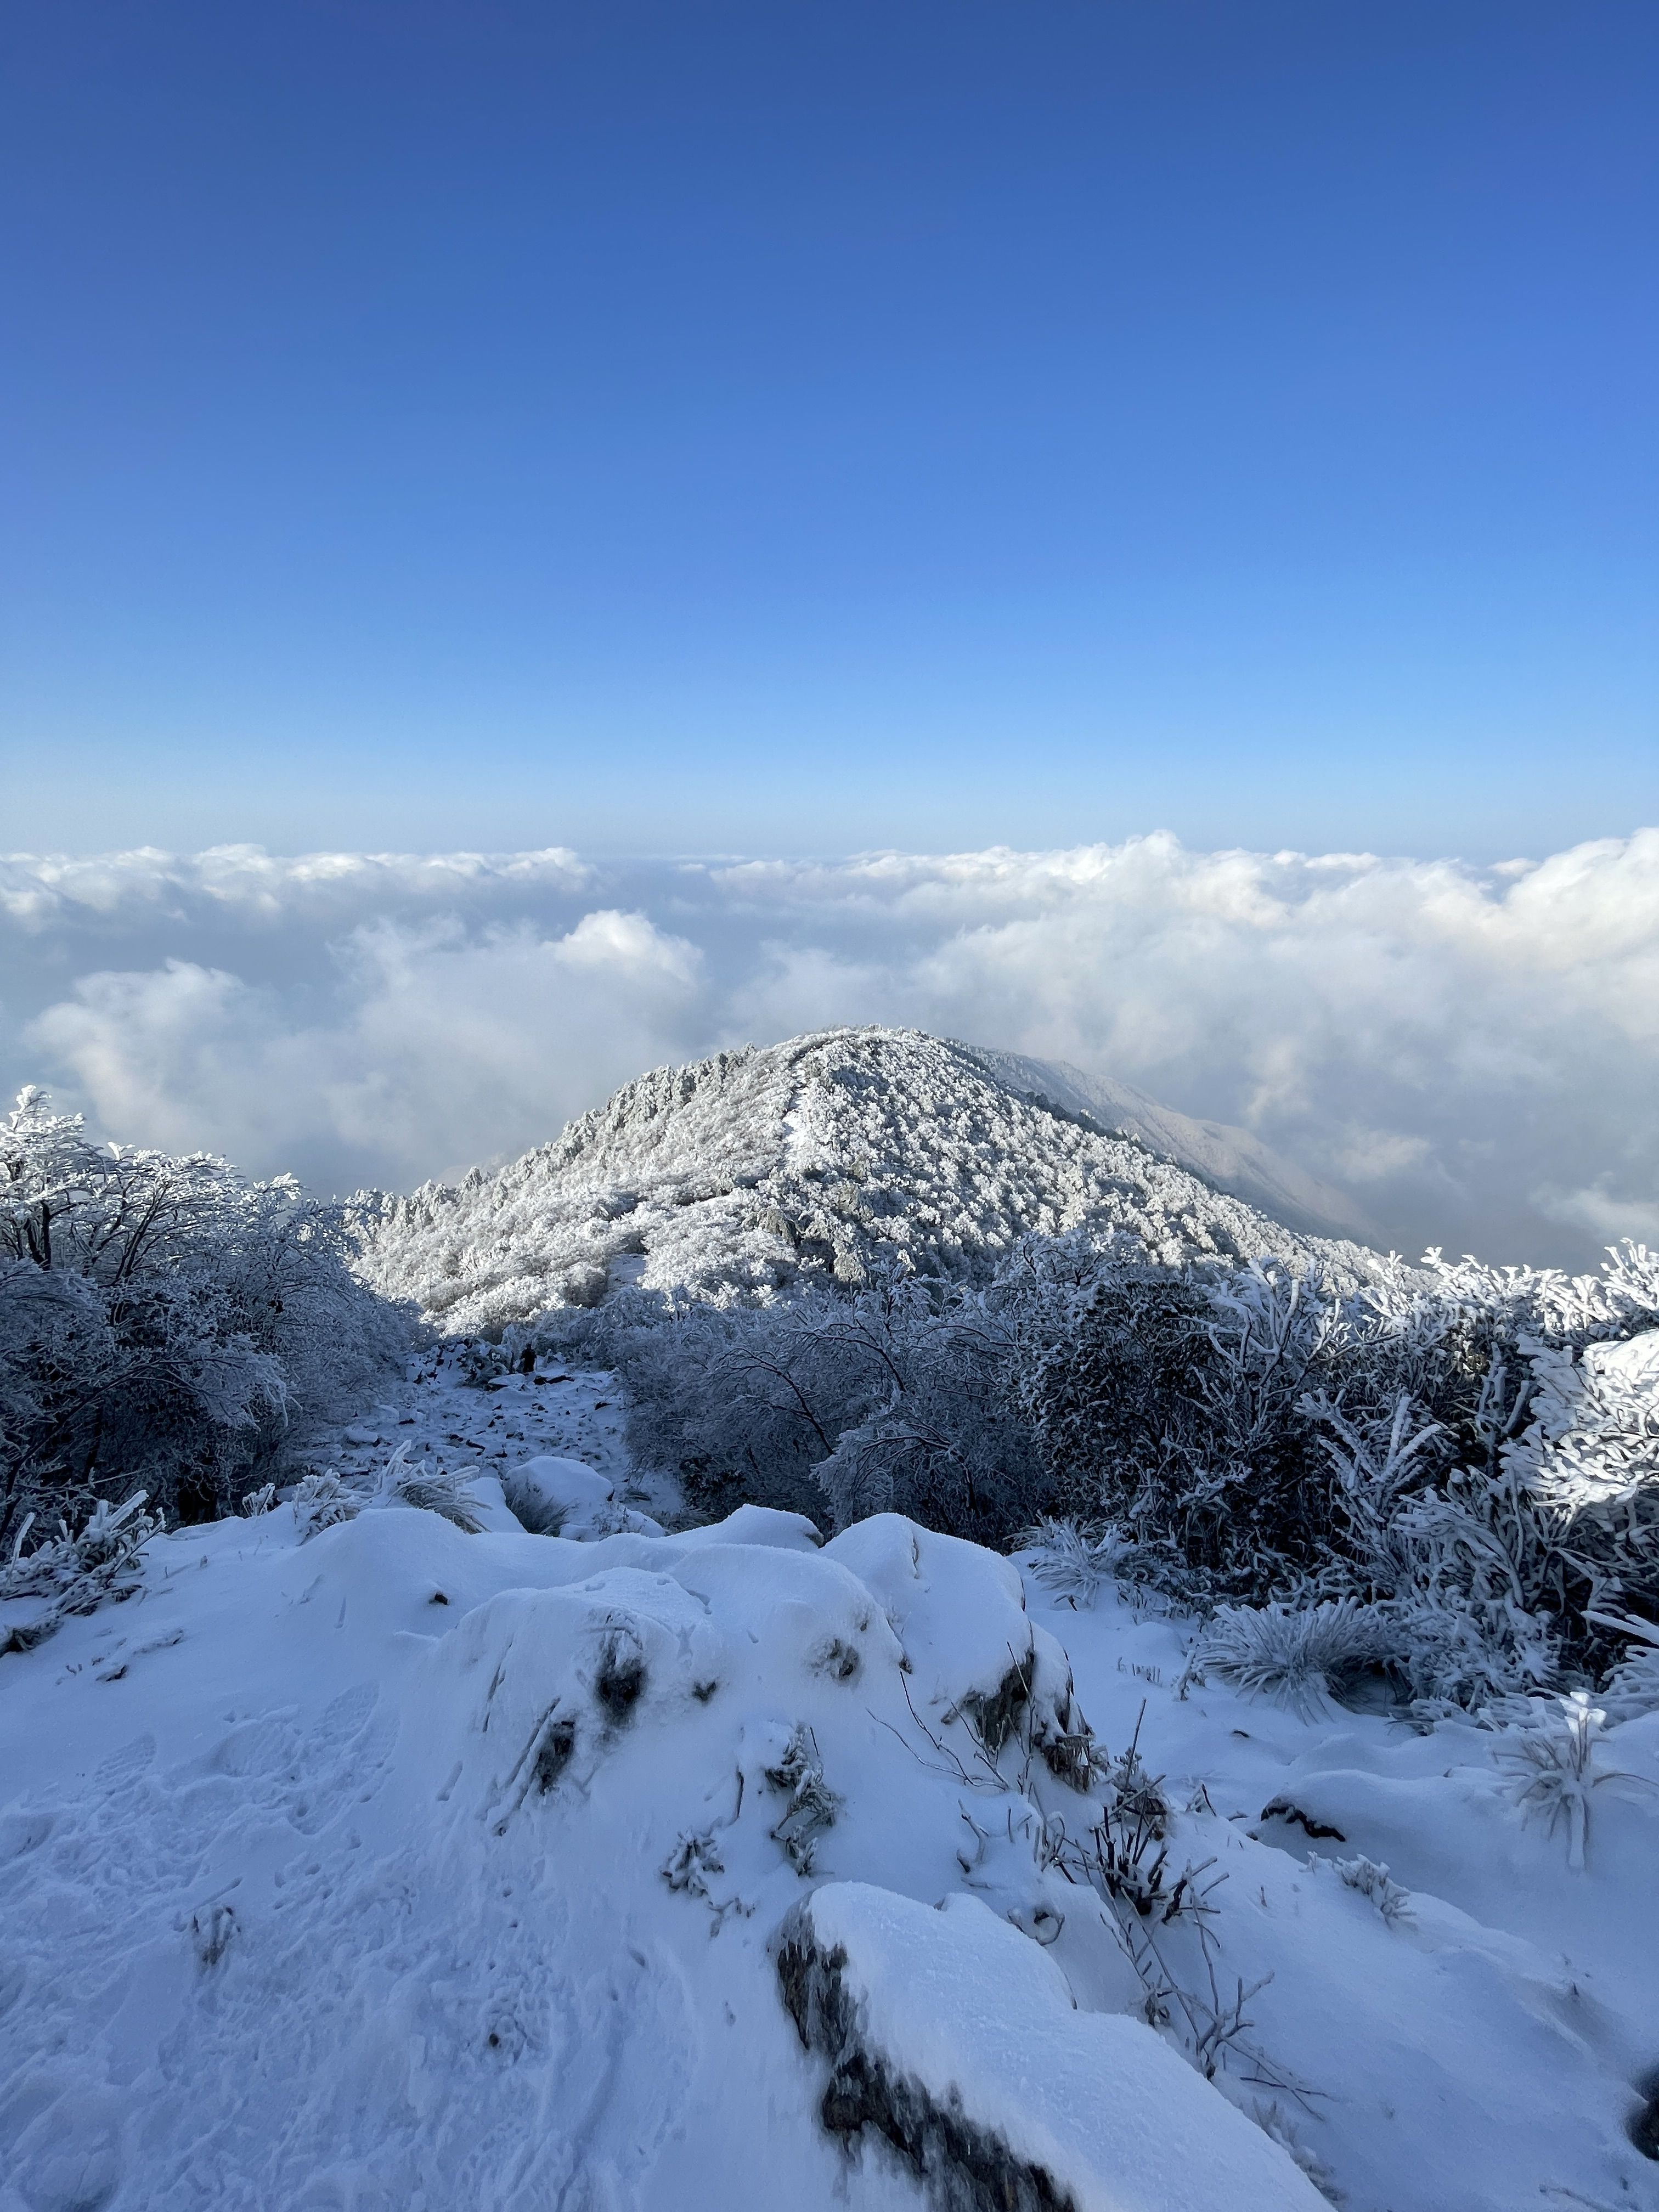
(1230,1158)
(758,1170)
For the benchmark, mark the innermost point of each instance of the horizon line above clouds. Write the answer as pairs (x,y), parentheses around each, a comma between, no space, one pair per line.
(1470,1053)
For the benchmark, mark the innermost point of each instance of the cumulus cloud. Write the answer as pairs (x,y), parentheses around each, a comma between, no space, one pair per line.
(1471,1051)
(435,1045)
(40,890)
(1600,1212)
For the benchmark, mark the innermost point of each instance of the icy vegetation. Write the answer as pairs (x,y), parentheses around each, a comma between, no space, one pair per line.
(1435,1488)
(758,1172)
(166,1325)
(1232,1160)
(925,1656)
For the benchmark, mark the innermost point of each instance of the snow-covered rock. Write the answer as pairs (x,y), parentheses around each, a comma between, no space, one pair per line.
(759,1169)
(955,2033)
(554,1497)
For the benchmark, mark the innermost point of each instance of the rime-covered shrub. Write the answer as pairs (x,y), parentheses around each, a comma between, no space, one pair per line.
(1634,1686)
(894,1397)
(165,1325)
(734,1401)
(1472,1455)
(1190,1408)
(943,1440)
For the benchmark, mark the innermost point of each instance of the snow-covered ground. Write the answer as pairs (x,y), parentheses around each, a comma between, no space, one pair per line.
(401,1867)
(1473,2031)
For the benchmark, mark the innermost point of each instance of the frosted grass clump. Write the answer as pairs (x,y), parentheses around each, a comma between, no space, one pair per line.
(430,1489)
(1374,1881)
(1549,1765)
(76,1572)
(1069,1560)
(1296,1657)
(323,1501)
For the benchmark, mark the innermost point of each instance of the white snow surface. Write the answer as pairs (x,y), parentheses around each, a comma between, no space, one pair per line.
(407,1867)
(751,1171)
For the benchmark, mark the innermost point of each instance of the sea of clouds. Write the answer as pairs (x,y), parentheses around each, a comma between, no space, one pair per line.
(1472,1052)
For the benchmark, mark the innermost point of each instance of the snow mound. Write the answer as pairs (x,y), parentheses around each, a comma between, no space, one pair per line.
(382,1868)
(402,1866)
(943,1596)
(758,1168)
(554,1497)
(958,2040)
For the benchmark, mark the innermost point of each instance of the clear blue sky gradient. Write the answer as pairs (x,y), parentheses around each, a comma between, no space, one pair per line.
(689,427)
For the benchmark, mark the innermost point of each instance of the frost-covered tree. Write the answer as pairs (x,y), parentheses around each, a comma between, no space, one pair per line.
(165,1325)
(894,1396)
(741,1403)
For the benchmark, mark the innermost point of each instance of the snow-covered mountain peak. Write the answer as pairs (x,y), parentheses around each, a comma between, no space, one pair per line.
(760,1168)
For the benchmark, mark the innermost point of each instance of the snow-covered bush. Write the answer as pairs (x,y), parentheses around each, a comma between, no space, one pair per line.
(1190,1407)
(734,1401)
(165,1324)
(943,1440)
(1471,1456)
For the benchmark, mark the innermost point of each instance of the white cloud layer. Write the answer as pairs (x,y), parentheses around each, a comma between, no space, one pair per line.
(1473,1052)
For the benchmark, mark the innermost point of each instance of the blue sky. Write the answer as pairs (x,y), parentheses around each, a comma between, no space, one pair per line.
(806,428)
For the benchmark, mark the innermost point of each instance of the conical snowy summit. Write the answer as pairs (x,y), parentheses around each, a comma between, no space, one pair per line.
(761,1168)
